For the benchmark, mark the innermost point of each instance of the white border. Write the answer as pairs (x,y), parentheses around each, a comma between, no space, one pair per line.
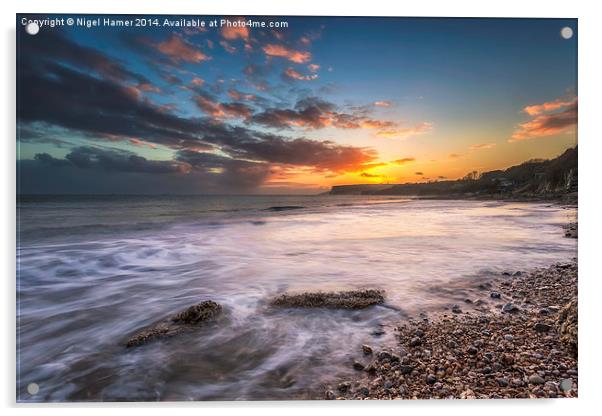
(590,69)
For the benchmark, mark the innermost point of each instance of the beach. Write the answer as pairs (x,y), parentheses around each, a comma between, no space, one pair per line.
(514,341)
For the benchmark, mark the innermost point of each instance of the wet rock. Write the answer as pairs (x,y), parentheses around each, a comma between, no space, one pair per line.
(541,327)
(509,308)
(431,379)
(371,368)
(495,295)
(358,366)
(367,349)
(456,309)
(353,299)
(330,395)
(414,342)
(472,350)
(567,325)
(186,320)
(344,387)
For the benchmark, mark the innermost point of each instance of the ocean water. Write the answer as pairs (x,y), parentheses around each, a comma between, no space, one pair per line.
(94,270)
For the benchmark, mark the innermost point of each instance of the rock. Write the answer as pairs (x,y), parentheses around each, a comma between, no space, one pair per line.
(405,369)
(517,382)
(566,384)
(371,368)
(414,342)
(330,395)
(495,295)
(541,327)
(358,366)
(353,299)
(344,387)
(519,273)
(185,320)
(544,311)
(567,325)
(378,332)
(472,350)
(198,313)
(456,309)
(507,359)
(367,349)
(431,379)
(509,337)
(536,379)
(502,382)
(509,308)
(468,394)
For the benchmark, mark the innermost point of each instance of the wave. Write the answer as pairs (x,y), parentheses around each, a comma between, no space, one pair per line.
(284,208)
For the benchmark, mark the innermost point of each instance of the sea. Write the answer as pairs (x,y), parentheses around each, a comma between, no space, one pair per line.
(93,270)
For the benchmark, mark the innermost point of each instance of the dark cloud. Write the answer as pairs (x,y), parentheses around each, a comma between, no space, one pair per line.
(231,173)
(316,113)
(322,155)
(35,52)
(83,92)
(88,157)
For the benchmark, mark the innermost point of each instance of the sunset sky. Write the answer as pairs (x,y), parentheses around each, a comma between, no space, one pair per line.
(326,101)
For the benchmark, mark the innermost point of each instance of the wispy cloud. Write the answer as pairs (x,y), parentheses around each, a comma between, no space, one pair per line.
(179,50)
(547,121)
(534,110)
(281,51)
(403,132)
(235,30)
(403,161)
(482,146)
(291,73)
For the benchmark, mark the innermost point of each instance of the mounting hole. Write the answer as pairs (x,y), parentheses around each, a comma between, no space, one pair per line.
(32,28)
(566,32)
(33,388)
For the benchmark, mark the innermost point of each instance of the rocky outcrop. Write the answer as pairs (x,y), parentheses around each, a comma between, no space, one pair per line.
(567,325)
(353,299)
(178,323)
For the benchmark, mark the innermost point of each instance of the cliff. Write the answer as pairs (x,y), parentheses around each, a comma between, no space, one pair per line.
(535,178)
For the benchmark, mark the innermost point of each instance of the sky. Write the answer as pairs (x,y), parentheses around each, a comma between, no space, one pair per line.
(323,101)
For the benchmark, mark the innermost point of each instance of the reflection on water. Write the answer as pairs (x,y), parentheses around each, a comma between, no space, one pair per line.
(94,270)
